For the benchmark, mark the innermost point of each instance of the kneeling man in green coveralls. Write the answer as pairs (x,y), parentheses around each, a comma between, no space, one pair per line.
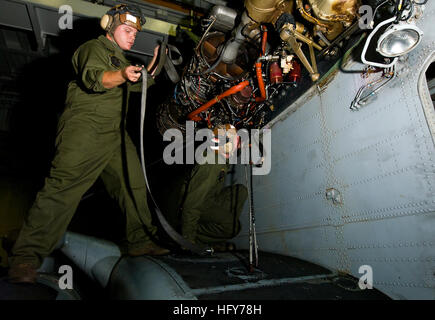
(89,145)
(209,211)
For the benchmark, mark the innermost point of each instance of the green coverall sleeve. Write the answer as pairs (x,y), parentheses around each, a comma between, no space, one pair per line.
(89,62)
(200,186)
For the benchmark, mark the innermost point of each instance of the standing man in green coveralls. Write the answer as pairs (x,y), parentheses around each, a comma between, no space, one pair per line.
(90,144)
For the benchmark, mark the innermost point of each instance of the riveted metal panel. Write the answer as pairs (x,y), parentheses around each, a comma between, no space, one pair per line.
(398,264)
(379,159)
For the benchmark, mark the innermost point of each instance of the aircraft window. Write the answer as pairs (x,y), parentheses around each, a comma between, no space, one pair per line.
(430,78)
(426,90)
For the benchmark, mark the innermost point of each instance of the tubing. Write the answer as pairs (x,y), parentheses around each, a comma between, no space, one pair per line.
(194,114)
(229,54)
(260,82)
(258,67)
(264,40)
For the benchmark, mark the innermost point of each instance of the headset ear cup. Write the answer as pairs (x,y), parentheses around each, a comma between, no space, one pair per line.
(106,22)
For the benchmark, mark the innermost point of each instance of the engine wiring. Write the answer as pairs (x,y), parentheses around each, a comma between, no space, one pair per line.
(236,72)
(404,9)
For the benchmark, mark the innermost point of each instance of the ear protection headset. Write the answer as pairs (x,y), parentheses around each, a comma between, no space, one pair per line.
(123,14)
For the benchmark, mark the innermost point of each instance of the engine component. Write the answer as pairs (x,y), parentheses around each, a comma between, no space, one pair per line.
(331,17)
(232,48)
(309,18)
(275,73)
(225,18)
(267,11)
(289,34)
(194,114)
(295,73)
(335,10)
(235,71)
(286,63)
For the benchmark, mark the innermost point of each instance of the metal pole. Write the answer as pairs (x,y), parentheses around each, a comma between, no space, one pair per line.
(253,247)
(250,219)
(253,218)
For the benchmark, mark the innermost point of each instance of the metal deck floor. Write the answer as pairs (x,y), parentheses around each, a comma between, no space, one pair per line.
(226,276)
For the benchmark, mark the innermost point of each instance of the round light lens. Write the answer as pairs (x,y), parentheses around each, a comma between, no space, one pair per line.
(398,40)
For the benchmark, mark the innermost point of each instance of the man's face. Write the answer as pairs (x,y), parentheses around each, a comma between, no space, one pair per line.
(228,141)
(124,36)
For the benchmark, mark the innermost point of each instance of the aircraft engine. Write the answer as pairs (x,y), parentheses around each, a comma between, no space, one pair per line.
(234,71)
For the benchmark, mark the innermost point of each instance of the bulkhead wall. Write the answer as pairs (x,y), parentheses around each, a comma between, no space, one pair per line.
(378,162)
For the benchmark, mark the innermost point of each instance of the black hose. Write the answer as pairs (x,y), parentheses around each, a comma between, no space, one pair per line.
(407,5)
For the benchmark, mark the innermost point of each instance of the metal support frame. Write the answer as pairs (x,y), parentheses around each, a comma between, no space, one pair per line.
(36,26)
(32,15)
(290,35)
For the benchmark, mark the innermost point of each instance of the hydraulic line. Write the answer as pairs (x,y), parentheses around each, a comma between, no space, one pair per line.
(264,40)
(260,82)
(194,114)
(358,102)
(258,68)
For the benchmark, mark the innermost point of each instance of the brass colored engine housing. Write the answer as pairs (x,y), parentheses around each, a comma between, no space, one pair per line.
(267,11)
(335,10)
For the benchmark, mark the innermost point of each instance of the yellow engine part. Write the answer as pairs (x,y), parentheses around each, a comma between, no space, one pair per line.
(267,11)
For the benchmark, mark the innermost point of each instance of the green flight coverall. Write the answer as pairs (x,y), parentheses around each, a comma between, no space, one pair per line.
(210,211)
(90,142)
